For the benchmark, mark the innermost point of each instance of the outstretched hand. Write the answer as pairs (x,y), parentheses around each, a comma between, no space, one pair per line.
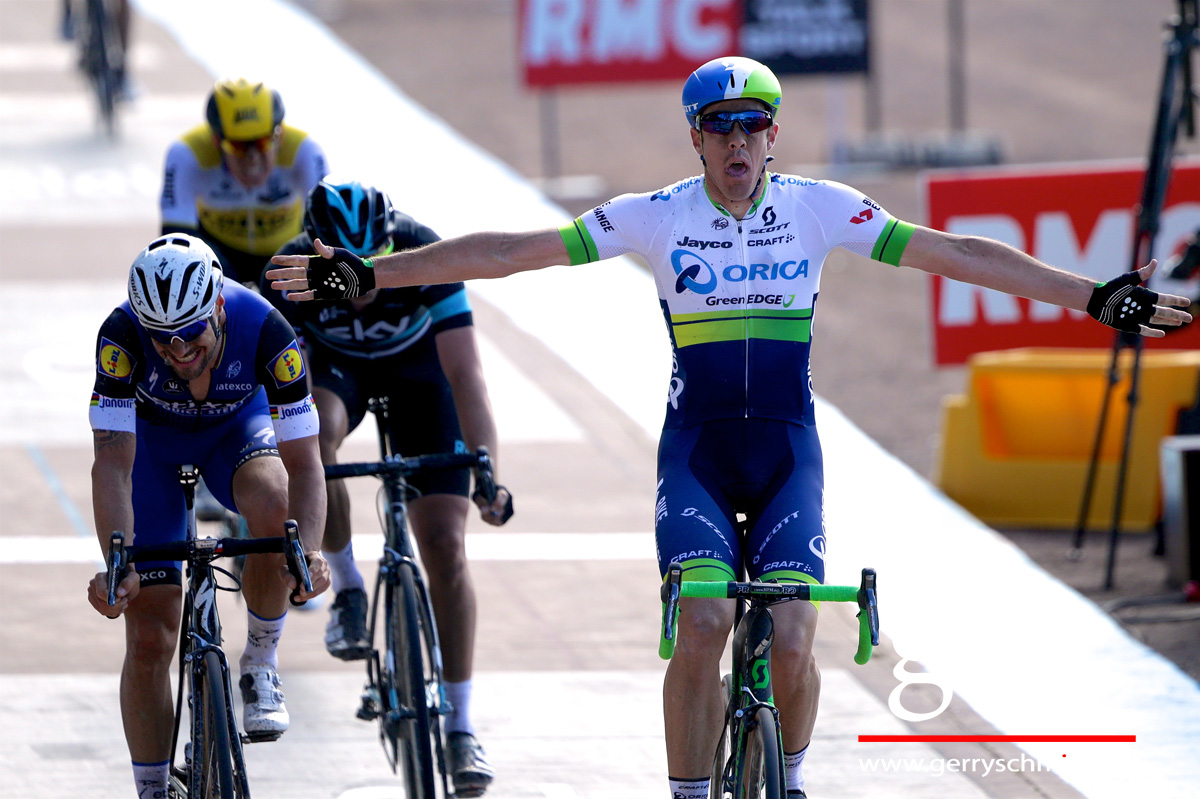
(333,273)
(1123,303)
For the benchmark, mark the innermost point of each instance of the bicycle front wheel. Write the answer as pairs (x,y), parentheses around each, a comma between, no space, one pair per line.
(407,725)
(760,772)
(718,786)
(217,770)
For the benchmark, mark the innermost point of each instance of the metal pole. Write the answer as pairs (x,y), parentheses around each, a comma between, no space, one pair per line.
(956,32)
(551,164)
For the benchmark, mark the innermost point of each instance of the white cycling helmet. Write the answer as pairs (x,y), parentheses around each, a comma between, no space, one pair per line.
(174,281)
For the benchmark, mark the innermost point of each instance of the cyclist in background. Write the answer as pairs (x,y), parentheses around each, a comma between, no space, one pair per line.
(415,346)
(736,254)
(238,180)
(126,89)
(191,369)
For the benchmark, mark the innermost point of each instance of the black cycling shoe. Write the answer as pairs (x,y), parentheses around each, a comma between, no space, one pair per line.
(796,793)
(471,772)
(346,633)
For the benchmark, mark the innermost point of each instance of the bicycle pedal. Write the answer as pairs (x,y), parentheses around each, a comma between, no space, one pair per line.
(260,737)
(367,713)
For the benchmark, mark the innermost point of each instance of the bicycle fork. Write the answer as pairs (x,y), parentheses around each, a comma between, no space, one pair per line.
(751,689)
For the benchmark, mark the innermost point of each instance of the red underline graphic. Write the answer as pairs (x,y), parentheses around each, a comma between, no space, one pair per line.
(870,739)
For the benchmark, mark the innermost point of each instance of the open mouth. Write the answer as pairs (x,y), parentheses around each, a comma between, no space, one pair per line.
(737,169)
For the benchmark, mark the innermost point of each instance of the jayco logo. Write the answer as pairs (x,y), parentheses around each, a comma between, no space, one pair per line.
(705,245)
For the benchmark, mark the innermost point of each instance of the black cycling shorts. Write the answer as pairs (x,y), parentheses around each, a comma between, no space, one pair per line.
(421,413)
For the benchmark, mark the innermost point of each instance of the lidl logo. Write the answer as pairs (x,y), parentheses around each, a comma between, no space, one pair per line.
(288,366)
(114,361)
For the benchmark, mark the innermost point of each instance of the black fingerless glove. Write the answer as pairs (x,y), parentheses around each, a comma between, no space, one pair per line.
(342,277)
(1123,303)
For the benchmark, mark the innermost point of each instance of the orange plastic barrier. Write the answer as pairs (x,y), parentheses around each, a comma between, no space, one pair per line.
(1015,448)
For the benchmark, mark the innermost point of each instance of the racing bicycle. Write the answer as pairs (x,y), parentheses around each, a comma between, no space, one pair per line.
(214,766)
(97,29)
(748,761)
(404,681)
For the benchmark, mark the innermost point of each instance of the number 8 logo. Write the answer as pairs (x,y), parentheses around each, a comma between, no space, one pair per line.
(907,678)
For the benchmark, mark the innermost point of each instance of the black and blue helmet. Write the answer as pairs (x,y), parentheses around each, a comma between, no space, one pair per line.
(349,214)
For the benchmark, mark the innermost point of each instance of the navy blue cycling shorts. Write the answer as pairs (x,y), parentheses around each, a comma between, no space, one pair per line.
(770,471)
(159,508)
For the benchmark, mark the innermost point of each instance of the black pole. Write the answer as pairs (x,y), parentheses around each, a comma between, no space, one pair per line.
(1174,104)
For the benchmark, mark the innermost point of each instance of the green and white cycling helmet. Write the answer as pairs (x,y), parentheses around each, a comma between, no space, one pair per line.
(729,78)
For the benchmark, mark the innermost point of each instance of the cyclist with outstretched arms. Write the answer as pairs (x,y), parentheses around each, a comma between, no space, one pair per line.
(192,369)
(736,255)
(416,348)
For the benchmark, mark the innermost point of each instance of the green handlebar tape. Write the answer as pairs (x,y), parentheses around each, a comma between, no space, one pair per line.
(864,640)
(704,590)
(833,593)
(666,648)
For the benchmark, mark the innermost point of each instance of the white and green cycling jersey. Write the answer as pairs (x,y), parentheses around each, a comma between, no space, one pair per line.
(738,295)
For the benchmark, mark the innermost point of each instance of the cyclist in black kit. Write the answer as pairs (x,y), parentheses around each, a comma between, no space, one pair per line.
(417,346)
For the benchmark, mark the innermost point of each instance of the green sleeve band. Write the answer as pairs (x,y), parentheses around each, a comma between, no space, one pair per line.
(892,241)
(581,249)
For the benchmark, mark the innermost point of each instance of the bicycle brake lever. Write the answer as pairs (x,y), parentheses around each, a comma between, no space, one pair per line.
(116,564)
(296,562)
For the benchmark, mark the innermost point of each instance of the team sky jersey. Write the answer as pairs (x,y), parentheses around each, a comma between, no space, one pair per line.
(738,296)
(389,325)
(259,353)
(200,193)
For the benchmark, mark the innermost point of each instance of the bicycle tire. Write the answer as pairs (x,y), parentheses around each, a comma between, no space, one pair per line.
(213,773)
(760,773)
(406,719)
(716,784)
(104,61)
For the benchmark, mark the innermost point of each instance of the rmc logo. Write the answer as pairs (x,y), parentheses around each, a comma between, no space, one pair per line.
(698,275)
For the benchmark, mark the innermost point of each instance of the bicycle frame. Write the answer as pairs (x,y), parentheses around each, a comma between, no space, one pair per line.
(750,698)
(406,724)
(200,636)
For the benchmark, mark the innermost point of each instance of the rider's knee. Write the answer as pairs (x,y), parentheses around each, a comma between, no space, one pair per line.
(149,642)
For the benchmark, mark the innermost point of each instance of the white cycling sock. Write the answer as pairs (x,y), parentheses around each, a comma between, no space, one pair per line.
(151,779)
(459,718)
(342,571)
(262,641)
(791,770)
(689,789)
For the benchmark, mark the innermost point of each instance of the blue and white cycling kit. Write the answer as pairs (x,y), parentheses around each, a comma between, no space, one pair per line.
(738,298)
(258,395)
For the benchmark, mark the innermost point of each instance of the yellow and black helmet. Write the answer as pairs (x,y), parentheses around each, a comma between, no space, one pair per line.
(239,110)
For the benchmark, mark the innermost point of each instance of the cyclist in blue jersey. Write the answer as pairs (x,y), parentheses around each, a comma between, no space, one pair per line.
(736,254)
(417,347)
(194,370)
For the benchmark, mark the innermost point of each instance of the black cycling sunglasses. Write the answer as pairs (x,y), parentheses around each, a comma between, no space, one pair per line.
(721,123)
